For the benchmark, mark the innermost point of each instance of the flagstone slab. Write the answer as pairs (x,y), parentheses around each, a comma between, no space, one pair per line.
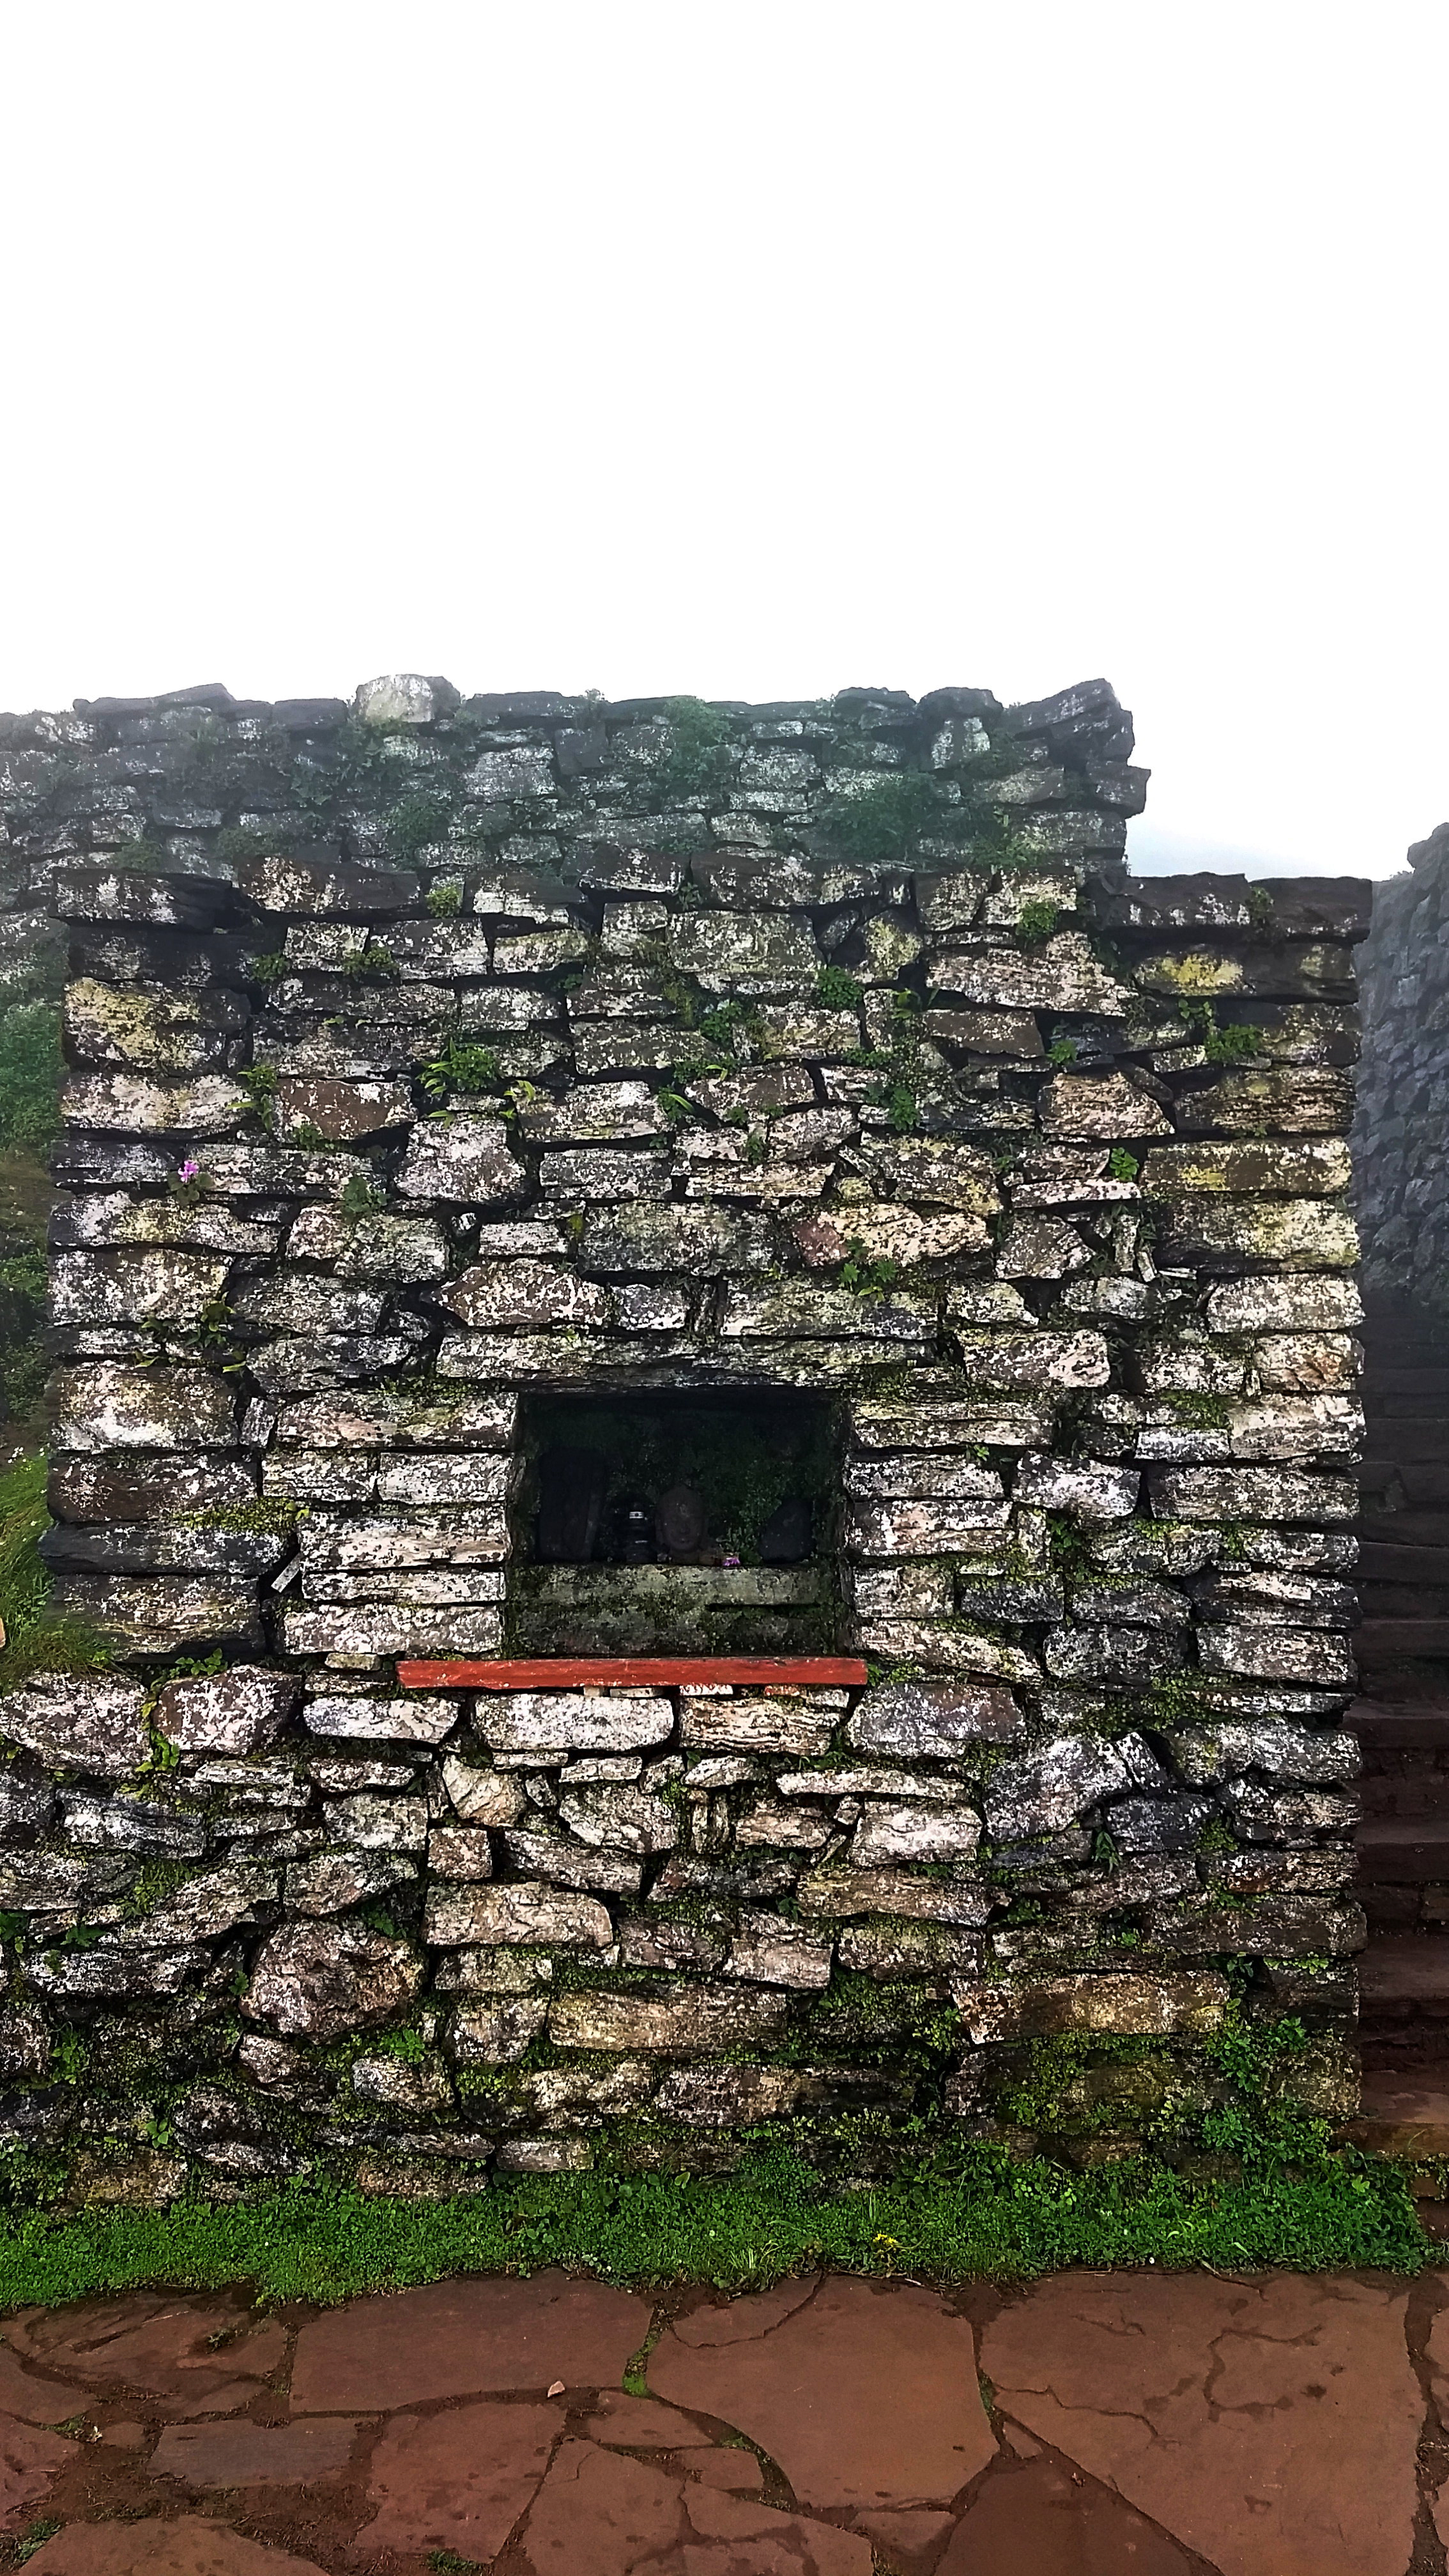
(739,2472)
(1036,2518)
(255,2455)
(464,2339)
(599,2513)
(639,2423)
(457,2481)
(745,2320)
(190,2546)
(36,2399)
(156,2343)
(1269,2424)
(911,2541)
(864,2396)
(30,2458)
(752,2540)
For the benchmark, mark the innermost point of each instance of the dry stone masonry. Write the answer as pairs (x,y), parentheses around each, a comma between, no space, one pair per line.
(554,1178)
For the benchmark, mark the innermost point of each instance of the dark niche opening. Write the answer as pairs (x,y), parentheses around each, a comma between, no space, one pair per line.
(677,1524)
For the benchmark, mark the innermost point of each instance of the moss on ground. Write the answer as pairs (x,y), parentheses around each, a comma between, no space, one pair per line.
(985,2216)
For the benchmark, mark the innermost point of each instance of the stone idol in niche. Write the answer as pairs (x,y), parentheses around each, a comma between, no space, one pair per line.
(574,1528)
(681,1525)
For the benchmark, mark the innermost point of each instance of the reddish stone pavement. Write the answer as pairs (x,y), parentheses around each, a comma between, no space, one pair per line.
(1094,2424)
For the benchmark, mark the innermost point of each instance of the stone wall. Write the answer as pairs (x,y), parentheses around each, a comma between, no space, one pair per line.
(1401,1122)
(755,1050)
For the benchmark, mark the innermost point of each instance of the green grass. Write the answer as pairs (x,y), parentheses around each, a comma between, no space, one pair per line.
(30,1077)
(34,1642)
(986,2218)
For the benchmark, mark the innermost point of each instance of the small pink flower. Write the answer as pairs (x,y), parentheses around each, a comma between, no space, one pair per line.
(729,1560)
(189,1171)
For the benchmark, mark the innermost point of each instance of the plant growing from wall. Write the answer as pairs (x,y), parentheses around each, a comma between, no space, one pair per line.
(417,823)
(462,1068)
(697,760)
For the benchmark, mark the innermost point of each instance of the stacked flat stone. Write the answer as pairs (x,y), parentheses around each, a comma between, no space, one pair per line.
(1402,1110)
(1098,1423)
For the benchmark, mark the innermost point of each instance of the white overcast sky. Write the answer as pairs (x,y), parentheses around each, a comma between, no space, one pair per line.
(753,352)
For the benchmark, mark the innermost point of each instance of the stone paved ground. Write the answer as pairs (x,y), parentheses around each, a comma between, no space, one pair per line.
(1126,2424)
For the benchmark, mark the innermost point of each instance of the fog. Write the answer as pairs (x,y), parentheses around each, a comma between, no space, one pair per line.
(753,354)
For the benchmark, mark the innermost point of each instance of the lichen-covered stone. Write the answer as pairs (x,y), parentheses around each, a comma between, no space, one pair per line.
(343,1112)
(934,1172)
(588,1172)
(885,1233)
(526,1297)
(465,1159)
(85,1725)
(1062,975)
(1109,1105)
(803,1306)
(323,887)
(1089,1492)
(159,1286)
(1278,1654)
(756,1725)
(152,1032)
(1053,1786)
(1251,1493)
(1029,1363)
(362,1717)
(557,1721)
(404,1251)
(319,1980)
(1208,1754)
(521,1913)
(1195,2001)
(1306,1233)
(296,1302)
(701,1240)
(932,1721)
(231,1712)
(836,1892)
(333,1882)
(746,953)
(904,1829)
(157,1616)
(136,1104)
(685,2021)
(921,1525)
(372,1822)
(619,1816)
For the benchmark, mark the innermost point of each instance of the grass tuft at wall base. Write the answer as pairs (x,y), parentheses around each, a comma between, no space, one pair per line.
(990,2218)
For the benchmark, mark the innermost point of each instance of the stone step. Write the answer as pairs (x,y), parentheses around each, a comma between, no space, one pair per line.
(1405,1794)
(1378,1600)
(1425,1482)
(1388,1640)
(1417,1436)
(1401,1853)
(1407,2118)
(1380,1561)
(1413,1726)
(1403,1972)
(1405,1528)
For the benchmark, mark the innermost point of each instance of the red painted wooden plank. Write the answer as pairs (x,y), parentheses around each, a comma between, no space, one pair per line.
(570,1672)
